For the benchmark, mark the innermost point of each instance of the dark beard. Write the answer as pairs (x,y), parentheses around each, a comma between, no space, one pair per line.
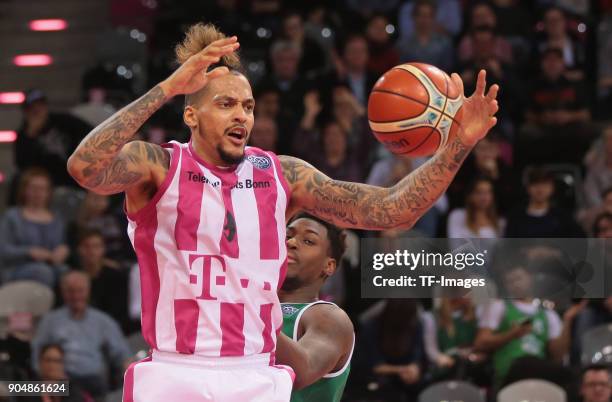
(229,159)
(291,283)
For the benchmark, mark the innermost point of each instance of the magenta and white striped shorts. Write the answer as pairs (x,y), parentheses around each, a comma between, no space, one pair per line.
(167,377)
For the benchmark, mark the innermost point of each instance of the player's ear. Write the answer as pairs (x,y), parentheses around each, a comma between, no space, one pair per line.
(189,117)
(330,267)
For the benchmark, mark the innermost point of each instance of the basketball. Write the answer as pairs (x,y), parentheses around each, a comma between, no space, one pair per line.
(414,109)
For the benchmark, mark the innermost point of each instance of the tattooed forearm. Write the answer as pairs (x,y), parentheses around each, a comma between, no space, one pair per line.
(97,163)
(369,207)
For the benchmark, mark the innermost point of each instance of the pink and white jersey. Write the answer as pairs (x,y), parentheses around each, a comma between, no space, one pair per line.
(212,254)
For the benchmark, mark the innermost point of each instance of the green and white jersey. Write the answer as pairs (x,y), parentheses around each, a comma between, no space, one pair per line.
(502,315)
(331,386)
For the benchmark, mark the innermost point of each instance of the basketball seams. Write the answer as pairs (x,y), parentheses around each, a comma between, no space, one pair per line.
(435,127)
(386,91)
(417,78)
(443,138)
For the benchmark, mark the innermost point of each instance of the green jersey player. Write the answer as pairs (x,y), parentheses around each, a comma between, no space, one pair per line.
(323,332)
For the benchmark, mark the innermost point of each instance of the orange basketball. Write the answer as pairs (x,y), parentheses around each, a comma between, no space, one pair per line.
(414,109)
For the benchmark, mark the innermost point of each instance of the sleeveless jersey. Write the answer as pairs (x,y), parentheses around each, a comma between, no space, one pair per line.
(211,251)
(534,343)
(331,386)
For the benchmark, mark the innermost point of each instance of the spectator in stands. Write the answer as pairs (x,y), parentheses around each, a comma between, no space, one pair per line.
(540,217)
(598,311)
(483,19)
(85,334)
(320,19)
(514,22)
(265,12)
(426,44)
(264,134)
(352,68)
(347,113)
(483,54)
(602,228)
(291,86)
(334,157)
(558,115)
(481,14)
(351,116)
(518,326)
(556,36)
(366,8)
(448,17)
(268,103)
(32,238)
(47,139)
(104,274)
(595,384)
(450,331)
(51,368)
(604,68)
(307,137)
(393,346)
(481,47)
(479,218)
(94,110)
(599,170)
(486,161)
(383,55)
(588,216)
(577,7)
(312,56)
(95,214)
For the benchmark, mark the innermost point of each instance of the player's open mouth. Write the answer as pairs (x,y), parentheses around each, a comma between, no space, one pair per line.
(237,134)
(291,259)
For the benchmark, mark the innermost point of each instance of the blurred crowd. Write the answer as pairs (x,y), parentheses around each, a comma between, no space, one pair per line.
(545,171)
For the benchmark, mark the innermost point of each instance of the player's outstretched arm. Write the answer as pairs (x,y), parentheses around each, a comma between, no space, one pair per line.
(104,162)
(362,206)
(328,337)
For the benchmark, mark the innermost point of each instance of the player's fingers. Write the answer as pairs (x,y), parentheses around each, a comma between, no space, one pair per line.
(224,41)
(481,83)
(492,94)
(217,72)
(204,60)
(458,82)
(492,122)
(220,50)
(493,107)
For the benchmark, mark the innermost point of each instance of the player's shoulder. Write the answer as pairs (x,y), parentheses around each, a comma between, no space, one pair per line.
(148,152)
(295,170)
(328,315)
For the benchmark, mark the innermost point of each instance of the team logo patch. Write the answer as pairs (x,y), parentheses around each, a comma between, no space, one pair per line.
(288,310)
(260,162)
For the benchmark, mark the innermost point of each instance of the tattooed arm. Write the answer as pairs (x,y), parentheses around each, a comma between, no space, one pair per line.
(106,162)
(368,207)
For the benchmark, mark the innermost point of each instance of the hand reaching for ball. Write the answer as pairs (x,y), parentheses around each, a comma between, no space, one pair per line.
(478,110)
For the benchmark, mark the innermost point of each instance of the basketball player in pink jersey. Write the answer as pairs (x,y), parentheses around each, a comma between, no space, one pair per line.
(207,221)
